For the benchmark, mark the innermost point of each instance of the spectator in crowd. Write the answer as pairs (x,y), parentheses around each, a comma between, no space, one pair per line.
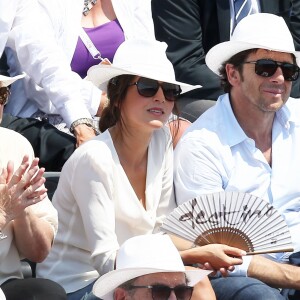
(120,184)
(86,32)
(294,26)
(28,221)
(191,28)
(21,23)
(51,146)
(148,267)
(249,141)
(295,22)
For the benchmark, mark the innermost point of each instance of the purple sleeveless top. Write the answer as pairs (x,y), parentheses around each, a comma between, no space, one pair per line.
(106,38)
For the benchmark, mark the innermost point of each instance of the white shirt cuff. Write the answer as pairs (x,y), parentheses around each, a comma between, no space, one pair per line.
(241,270)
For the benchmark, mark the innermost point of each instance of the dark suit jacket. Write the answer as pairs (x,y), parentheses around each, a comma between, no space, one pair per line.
(295,22)
(191,28)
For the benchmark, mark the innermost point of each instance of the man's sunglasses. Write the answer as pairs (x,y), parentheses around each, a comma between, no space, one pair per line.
(148,88)
(268,67)
(163,292)
(4,94)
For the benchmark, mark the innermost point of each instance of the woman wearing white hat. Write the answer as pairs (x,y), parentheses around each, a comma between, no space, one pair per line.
(120,184)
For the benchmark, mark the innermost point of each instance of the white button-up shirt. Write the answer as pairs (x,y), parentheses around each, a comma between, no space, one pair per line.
(22,28)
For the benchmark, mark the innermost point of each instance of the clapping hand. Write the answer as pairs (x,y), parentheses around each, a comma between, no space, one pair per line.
(20,189)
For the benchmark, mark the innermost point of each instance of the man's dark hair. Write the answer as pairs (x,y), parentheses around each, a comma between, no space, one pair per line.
(237,61)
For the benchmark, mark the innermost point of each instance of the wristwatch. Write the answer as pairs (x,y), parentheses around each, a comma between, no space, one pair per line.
(88,122)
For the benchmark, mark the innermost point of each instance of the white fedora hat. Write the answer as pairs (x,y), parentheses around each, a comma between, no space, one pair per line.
(142,255)
(262,30)
(141,57)
(2,296)
(6,80)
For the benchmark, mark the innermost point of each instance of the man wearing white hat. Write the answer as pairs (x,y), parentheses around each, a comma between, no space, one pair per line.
(148,267)
(28,221)
(250,142)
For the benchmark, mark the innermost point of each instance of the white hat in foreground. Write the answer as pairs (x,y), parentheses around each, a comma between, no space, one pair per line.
(6,81)
(2,296)
(262,30)
(141,57)
(142,255)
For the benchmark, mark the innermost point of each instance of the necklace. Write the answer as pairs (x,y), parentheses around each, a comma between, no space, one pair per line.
(88,5)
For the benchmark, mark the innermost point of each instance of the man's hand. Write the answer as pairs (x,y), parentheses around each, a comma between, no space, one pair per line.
(83,133)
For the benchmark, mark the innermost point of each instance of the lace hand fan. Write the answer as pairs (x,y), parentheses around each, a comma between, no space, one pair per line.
(236,219)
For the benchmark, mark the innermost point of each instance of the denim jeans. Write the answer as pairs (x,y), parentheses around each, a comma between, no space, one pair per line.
(83,294)
(243,288)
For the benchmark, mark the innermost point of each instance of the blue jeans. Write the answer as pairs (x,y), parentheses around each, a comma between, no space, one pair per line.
(83,294)
(243,288)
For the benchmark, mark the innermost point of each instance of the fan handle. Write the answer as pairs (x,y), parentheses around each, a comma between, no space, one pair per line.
(270,251)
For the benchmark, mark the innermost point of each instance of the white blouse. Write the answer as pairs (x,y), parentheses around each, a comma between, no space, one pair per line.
(98,208)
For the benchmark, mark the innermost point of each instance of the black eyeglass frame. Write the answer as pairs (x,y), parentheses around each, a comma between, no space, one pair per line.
(270,63)
(164,85)
(4,95)
(161,286)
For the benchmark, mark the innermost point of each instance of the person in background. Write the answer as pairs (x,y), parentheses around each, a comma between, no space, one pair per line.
(52,146)
(86,32)
(120,184)
(148,267)
(28,221)
(249,142)
(294,26)
(39,56)
(191,28)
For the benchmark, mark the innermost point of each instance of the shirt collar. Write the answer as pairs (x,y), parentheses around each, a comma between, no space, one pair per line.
(231,129)
(288,115)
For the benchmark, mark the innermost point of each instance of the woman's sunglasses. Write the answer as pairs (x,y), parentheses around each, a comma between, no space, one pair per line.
(163,292)
(148,88)
(4,94)
(268,67)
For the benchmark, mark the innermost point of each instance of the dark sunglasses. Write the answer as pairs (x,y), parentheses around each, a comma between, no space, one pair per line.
(163,292)
(148,88)
(268,67)
(4,94)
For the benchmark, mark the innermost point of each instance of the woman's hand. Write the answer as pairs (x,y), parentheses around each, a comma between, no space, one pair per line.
(216,257)
(223,271)
(219,255)
(20,189)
